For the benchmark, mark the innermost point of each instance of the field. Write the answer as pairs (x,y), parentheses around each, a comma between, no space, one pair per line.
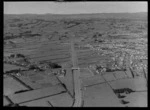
(101,40)
(43,38)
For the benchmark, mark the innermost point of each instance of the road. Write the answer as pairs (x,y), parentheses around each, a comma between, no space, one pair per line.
(76,76)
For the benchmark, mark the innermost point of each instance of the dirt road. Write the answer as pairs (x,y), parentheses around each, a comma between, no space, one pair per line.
(76,75)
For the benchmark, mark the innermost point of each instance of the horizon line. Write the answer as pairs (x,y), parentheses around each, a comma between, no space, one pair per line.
(71,13)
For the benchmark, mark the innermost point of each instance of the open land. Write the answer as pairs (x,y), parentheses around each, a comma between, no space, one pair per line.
(105,65)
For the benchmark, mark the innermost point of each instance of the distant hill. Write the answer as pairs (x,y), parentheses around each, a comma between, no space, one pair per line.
(138,15)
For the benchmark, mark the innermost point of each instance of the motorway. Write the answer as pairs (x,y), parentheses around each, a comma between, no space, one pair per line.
(76,76)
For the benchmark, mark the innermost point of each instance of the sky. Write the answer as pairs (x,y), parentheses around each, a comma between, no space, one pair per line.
(73,7)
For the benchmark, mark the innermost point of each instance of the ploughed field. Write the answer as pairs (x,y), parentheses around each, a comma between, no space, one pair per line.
(42,51)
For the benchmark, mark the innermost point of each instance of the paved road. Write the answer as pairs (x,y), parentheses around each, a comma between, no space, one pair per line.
(76,76)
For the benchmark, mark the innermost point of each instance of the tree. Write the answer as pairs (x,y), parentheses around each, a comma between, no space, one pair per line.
(54,65)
